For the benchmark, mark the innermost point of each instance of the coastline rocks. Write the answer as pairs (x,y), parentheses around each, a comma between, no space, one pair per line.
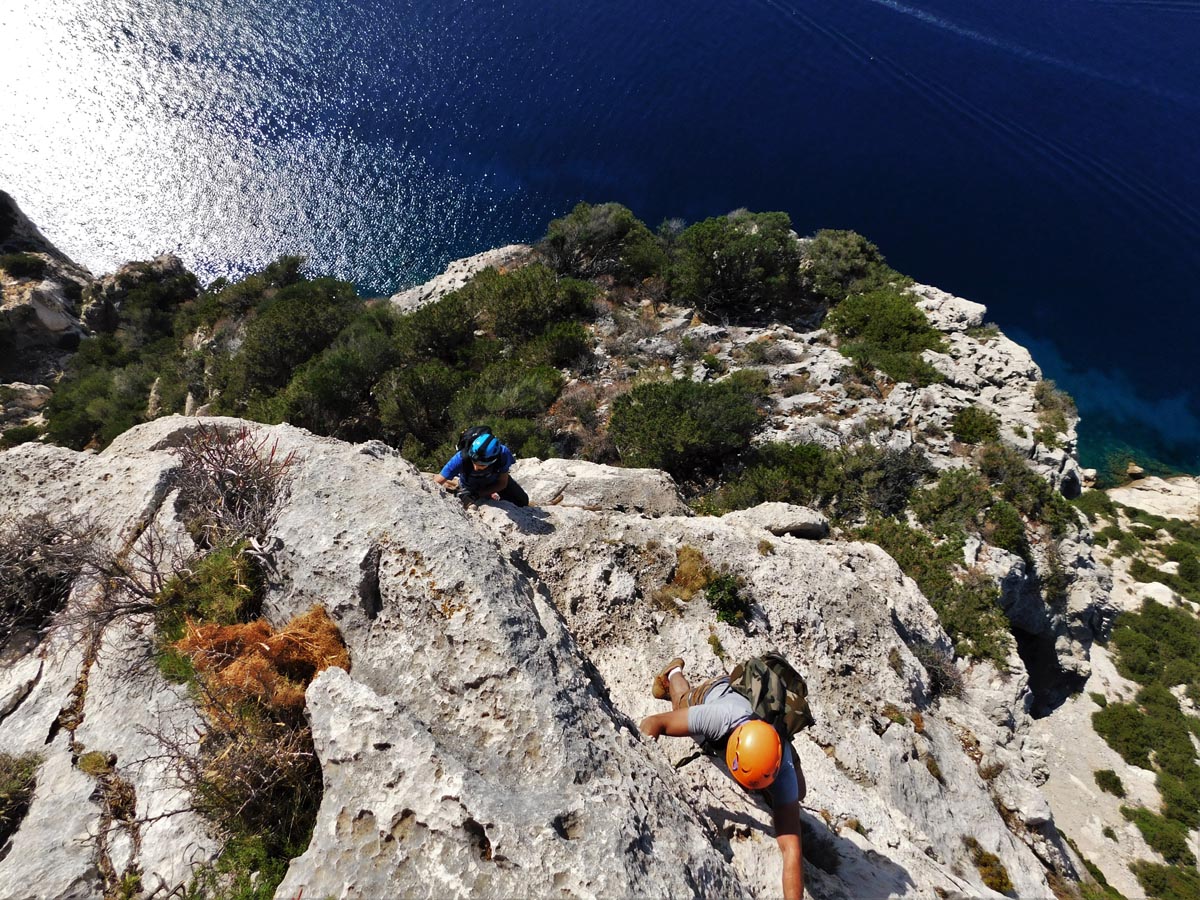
(459,273)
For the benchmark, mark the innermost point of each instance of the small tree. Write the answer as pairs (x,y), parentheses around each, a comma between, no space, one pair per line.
(606,239)
(739,264)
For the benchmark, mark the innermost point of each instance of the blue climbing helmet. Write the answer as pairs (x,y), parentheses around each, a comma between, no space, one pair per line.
(479,445)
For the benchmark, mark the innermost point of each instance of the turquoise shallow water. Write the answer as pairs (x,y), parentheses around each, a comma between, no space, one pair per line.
(1036,157)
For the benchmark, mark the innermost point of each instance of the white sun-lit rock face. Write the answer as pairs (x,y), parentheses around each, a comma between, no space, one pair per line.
(484,742)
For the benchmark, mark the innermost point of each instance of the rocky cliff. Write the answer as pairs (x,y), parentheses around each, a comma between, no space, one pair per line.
(483,740)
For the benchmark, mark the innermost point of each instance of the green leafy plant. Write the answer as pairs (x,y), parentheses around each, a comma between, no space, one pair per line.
(18,777)
(736,265)
(1109,782)
(724,594)
(884,329)
(606,239)
(975,425)
(23,265)
(990,868)
(684,427)
(836,264)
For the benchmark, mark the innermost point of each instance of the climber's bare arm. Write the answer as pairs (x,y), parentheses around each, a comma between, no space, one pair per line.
(672,724)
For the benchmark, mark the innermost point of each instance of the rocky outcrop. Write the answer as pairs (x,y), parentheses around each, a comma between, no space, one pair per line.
(39,307)
(459,273)
(103,299)
(573,482)
(485,742)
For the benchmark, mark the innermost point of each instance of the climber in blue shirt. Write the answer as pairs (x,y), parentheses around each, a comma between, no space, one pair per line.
(481,466)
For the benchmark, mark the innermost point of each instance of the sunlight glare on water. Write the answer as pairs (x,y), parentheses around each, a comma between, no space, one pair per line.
(125,122)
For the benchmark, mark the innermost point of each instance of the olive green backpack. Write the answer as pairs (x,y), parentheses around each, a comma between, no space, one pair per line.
(777,693)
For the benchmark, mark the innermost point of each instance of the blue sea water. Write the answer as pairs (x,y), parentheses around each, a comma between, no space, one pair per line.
(1039,157)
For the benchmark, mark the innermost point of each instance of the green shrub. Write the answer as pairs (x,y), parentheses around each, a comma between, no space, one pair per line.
(562,345)
(739,264)
(724,594)
(836,264)
(414,404)
(223,588)
(19,434)
(1166,836)
(1095,503)
(506,390)
(23,265)
(333,393)
(786,473)
(955,502)
(1004,528)
(884,330)
(296,324)
(1109,782)
(602,240)
(1009,473)
(975,425)
(868,479)
(1054,407)
(1154,638)
(968,608)
(18,777)
(684,427)
(520,305)
(1166,882)
(1099,699)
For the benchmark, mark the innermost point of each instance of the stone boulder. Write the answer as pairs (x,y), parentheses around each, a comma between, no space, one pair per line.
(783,519)
(573,482)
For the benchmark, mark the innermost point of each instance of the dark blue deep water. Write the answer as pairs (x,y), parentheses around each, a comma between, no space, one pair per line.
(1039,157)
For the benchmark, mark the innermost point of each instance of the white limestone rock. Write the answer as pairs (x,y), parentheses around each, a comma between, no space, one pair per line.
(1172,498)
(783,519)
(459,273)
(595,486)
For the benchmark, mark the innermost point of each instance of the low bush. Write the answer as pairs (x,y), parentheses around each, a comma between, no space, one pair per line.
(1109,782)
(287,330)
(1009,473)
(945,679)
(230,481)
(687,428)
(18,777)
(786,473)
(1166,836)
(1054,407)
(724,594)
(990,868)
(975,425)
(955,502)
(606,239)
(23,265)
(257,777)
(885,330)
(1166,882)
(19,434)
(968,607)
(737,265)
(40,560)
(1095,503)
(692,574)
(836,264)
(1155,640)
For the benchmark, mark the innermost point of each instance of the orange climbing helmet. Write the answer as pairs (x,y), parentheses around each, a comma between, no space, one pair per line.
(753,754)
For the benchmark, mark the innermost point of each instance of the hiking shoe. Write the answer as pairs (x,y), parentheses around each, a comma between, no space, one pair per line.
(660,689)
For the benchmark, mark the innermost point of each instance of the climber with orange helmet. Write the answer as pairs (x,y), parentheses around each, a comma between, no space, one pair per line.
(716,716)
(481,466)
